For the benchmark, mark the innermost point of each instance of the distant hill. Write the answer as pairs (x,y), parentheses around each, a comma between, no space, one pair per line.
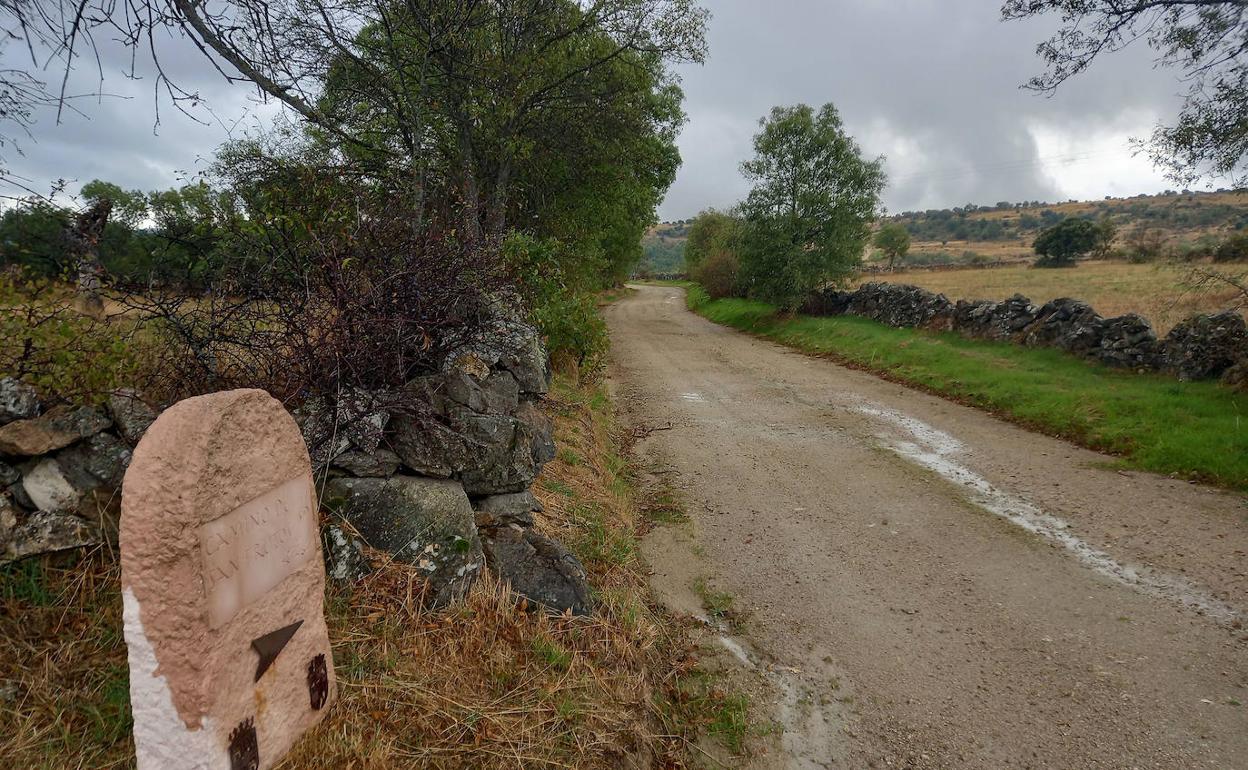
(663,248)
(1005,230)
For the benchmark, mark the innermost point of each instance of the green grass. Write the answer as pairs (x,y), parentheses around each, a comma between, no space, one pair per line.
(1195,430)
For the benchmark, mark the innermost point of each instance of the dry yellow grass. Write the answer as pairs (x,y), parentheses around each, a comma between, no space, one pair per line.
(1157,292)
(484,685)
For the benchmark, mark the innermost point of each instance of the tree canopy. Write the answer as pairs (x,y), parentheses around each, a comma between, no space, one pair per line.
(1063,243)
(894,240)
(808,215)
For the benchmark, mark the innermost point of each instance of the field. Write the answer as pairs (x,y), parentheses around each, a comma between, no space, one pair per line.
(1182,224)
(1157,292)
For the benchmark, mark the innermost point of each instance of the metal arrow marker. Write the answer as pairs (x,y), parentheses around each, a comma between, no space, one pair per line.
(271,644)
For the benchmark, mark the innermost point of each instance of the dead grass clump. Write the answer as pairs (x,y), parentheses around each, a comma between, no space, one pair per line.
(64,681)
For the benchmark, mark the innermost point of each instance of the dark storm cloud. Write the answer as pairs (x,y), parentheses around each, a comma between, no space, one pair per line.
(932,84)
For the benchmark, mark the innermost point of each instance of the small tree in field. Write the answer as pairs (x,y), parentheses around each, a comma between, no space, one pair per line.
(894,240)
(1066,241)
(809,214)
(711,232)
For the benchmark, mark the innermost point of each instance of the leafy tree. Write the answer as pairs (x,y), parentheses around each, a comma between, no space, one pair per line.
(129,206)
(809,214)
(1106,231)
(894,240)
(712,232)
(1063,243)
(1205,39)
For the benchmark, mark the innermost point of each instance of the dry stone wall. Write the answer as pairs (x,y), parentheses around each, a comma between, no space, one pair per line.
(1203,347)
(437,475)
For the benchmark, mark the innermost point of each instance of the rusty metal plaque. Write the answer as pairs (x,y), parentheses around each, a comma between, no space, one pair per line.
(244,749)
(318,681)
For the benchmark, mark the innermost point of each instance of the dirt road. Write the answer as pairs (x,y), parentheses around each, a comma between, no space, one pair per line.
(930,586)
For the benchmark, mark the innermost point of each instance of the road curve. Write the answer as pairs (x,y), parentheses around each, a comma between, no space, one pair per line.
(953,590)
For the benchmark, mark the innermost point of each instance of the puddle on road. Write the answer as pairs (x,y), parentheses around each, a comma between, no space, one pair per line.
(936,450)
(809,731)
(697,398)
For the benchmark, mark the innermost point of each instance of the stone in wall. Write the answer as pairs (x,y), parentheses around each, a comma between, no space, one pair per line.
(1067,324)
(538,568)
(1205,346)
(18,401)
(420,521)
(1128,341)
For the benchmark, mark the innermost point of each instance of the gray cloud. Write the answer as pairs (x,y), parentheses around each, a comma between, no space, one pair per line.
(932,84)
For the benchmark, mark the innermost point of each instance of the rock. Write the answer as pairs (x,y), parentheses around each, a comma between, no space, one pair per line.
(9,475)
(502,510)
(18,493)
(363,417)
(8,521)
(324,438)
(509,343)
(344,555)
(1067,324)
(131,415)
(1204,346)
(509,452)
(1128,341)
(52,431)
(18,401)
(100,461)
(46,532)
(1237,375)
(426,522)
(376,464)
(428,447)
(490,453)
(538,568)
(48,488)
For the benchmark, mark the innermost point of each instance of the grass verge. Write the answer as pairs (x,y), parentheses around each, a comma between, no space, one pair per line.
(1196,430)
(482,685)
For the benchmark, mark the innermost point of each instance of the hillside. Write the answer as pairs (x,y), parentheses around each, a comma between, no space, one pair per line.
(663,248)
(1184,222)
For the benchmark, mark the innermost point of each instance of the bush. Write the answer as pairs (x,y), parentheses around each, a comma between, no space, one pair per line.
(563,308)
(1145,245)
(1233,249)
(719,274)
(1063,243)
(67,356)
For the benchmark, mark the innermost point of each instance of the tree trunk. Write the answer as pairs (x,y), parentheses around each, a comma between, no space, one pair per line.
(84,247)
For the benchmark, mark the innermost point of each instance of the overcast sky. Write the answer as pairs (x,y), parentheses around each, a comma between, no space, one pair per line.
(930,84)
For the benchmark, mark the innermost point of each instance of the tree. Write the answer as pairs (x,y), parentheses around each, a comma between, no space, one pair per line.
(712,232)
(1205,39)
(894,240)
(809,214)
(1106,231)
(1063,243)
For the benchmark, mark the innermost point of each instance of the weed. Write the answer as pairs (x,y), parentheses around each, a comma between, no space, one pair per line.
(718,604)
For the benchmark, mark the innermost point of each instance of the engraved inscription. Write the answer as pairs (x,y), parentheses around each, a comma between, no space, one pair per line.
(248,551)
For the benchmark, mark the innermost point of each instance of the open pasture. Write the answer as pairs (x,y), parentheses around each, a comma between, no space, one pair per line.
(1158,292)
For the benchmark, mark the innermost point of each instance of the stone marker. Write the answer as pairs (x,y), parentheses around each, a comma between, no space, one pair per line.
(222,583)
